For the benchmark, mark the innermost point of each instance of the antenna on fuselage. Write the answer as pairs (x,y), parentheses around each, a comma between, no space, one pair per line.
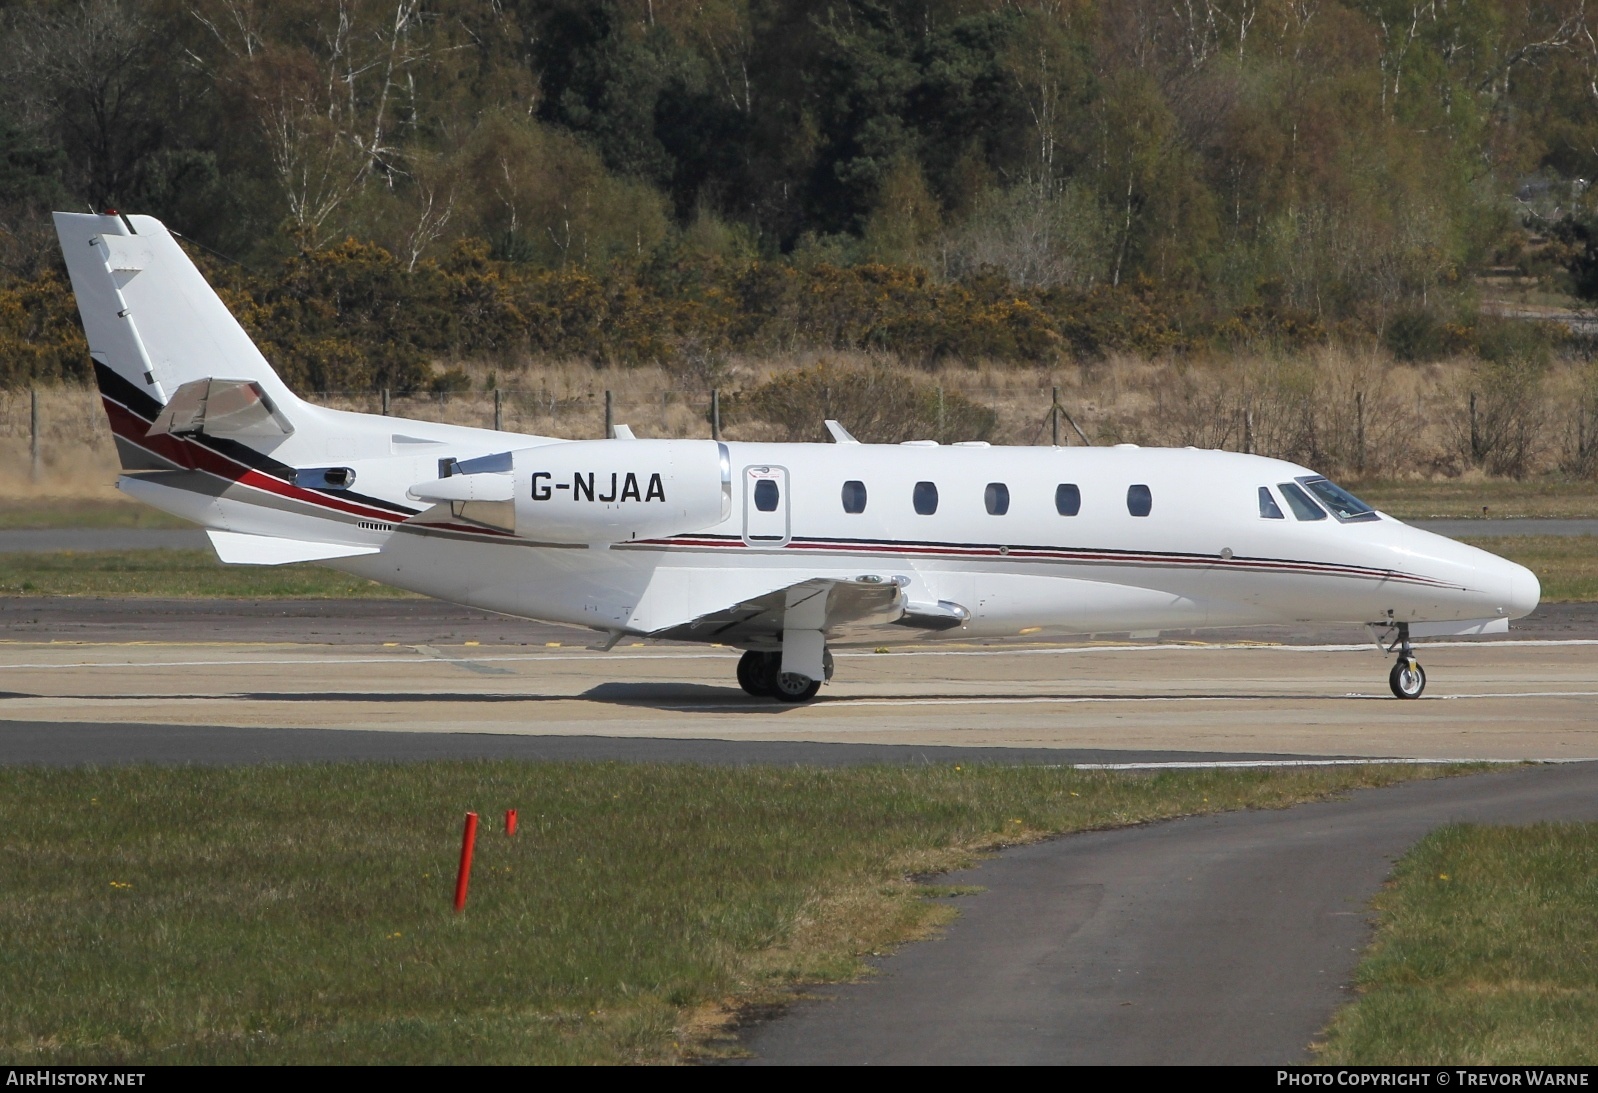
(840,435)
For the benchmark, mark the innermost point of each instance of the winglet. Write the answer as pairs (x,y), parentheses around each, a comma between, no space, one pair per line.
(840,435)
(624,432)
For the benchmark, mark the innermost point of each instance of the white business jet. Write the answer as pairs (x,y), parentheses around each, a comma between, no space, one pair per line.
(783,550)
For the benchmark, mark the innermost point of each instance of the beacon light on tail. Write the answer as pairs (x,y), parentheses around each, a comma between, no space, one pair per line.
(787,551)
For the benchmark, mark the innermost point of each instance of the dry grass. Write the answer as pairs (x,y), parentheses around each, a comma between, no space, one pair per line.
(1350,413)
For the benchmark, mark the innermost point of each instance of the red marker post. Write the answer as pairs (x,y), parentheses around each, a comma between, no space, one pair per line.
(510,821)
(464,877)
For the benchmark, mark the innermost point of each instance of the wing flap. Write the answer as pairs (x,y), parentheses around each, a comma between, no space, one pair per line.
(236,548)
(835,606)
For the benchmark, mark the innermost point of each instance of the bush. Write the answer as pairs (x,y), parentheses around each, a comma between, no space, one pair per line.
(877,405)
(1416,335)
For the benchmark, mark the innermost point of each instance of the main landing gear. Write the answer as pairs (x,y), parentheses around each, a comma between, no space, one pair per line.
(760,674)
(1408,678)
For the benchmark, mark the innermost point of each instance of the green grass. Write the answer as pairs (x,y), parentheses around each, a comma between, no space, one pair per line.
(1567,565)
(1460,498)
(15,515)
(1487,952)
(187,573)
(302,913)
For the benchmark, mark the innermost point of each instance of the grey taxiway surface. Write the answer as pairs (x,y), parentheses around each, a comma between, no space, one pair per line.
(1216,939)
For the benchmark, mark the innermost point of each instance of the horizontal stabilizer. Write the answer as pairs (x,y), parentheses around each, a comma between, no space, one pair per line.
(221,408)
(237,549)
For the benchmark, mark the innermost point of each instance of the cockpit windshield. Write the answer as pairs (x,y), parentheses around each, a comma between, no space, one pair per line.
(1343,505)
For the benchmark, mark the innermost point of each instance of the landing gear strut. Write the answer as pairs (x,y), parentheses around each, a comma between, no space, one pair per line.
(760,674)
(1408,678)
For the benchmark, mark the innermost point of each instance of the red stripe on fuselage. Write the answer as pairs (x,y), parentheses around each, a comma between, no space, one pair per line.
(193,456)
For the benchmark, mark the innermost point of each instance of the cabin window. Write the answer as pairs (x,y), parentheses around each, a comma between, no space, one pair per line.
(1139,501)
(926,498)
(1344,505)
(767,495)
(1067,499)
(1299,502)
(854,496)
(1269,509)
(997,498)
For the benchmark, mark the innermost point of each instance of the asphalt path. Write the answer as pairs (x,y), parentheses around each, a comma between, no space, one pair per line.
(409,620)
(1225,939)
(50,540)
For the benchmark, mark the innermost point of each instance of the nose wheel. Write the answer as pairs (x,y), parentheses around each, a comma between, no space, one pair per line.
(1408,678)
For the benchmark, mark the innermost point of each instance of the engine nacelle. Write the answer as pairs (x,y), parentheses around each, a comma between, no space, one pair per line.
(616,491)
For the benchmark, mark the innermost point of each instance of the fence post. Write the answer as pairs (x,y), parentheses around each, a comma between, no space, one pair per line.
(498,420)
(610,417)
(385,402)
(35,462)
(1054,415)
(940,411)
(1248,430)
(1359,432)
(1475,435)
(715,413)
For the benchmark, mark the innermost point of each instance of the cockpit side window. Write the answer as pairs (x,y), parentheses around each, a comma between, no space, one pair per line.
(1344,505)
(1269,509)
(1299,502)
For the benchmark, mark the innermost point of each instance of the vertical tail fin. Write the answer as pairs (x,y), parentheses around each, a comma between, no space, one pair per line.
(152,321)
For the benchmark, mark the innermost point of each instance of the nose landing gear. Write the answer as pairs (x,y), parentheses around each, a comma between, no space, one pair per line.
(1408,678)
(760,674)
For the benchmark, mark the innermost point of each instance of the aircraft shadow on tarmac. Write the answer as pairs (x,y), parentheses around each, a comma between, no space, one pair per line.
(705,698)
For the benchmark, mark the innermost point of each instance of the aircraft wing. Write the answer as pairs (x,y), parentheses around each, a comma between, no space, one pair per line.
(844,609)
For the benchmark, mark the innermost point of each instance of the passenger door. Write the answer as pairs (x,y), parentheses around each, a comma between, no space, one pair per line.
(766,520)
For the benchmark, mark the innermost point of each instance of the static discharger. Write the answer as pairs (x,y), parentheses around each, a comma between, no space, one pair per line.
(464,876)
(510,821)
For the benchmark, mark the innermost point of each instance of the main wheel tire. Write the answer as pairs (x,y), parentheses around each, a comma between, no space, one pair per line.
(792,687)
(754,674)
(1407,679)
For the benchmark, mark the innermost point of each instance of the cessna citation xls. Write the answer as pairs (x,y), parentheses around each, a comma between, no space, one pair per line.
(783,550)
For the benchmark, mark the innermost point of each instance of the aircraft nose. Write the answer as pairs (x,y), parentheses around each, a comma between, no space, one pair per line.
(1525,590)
